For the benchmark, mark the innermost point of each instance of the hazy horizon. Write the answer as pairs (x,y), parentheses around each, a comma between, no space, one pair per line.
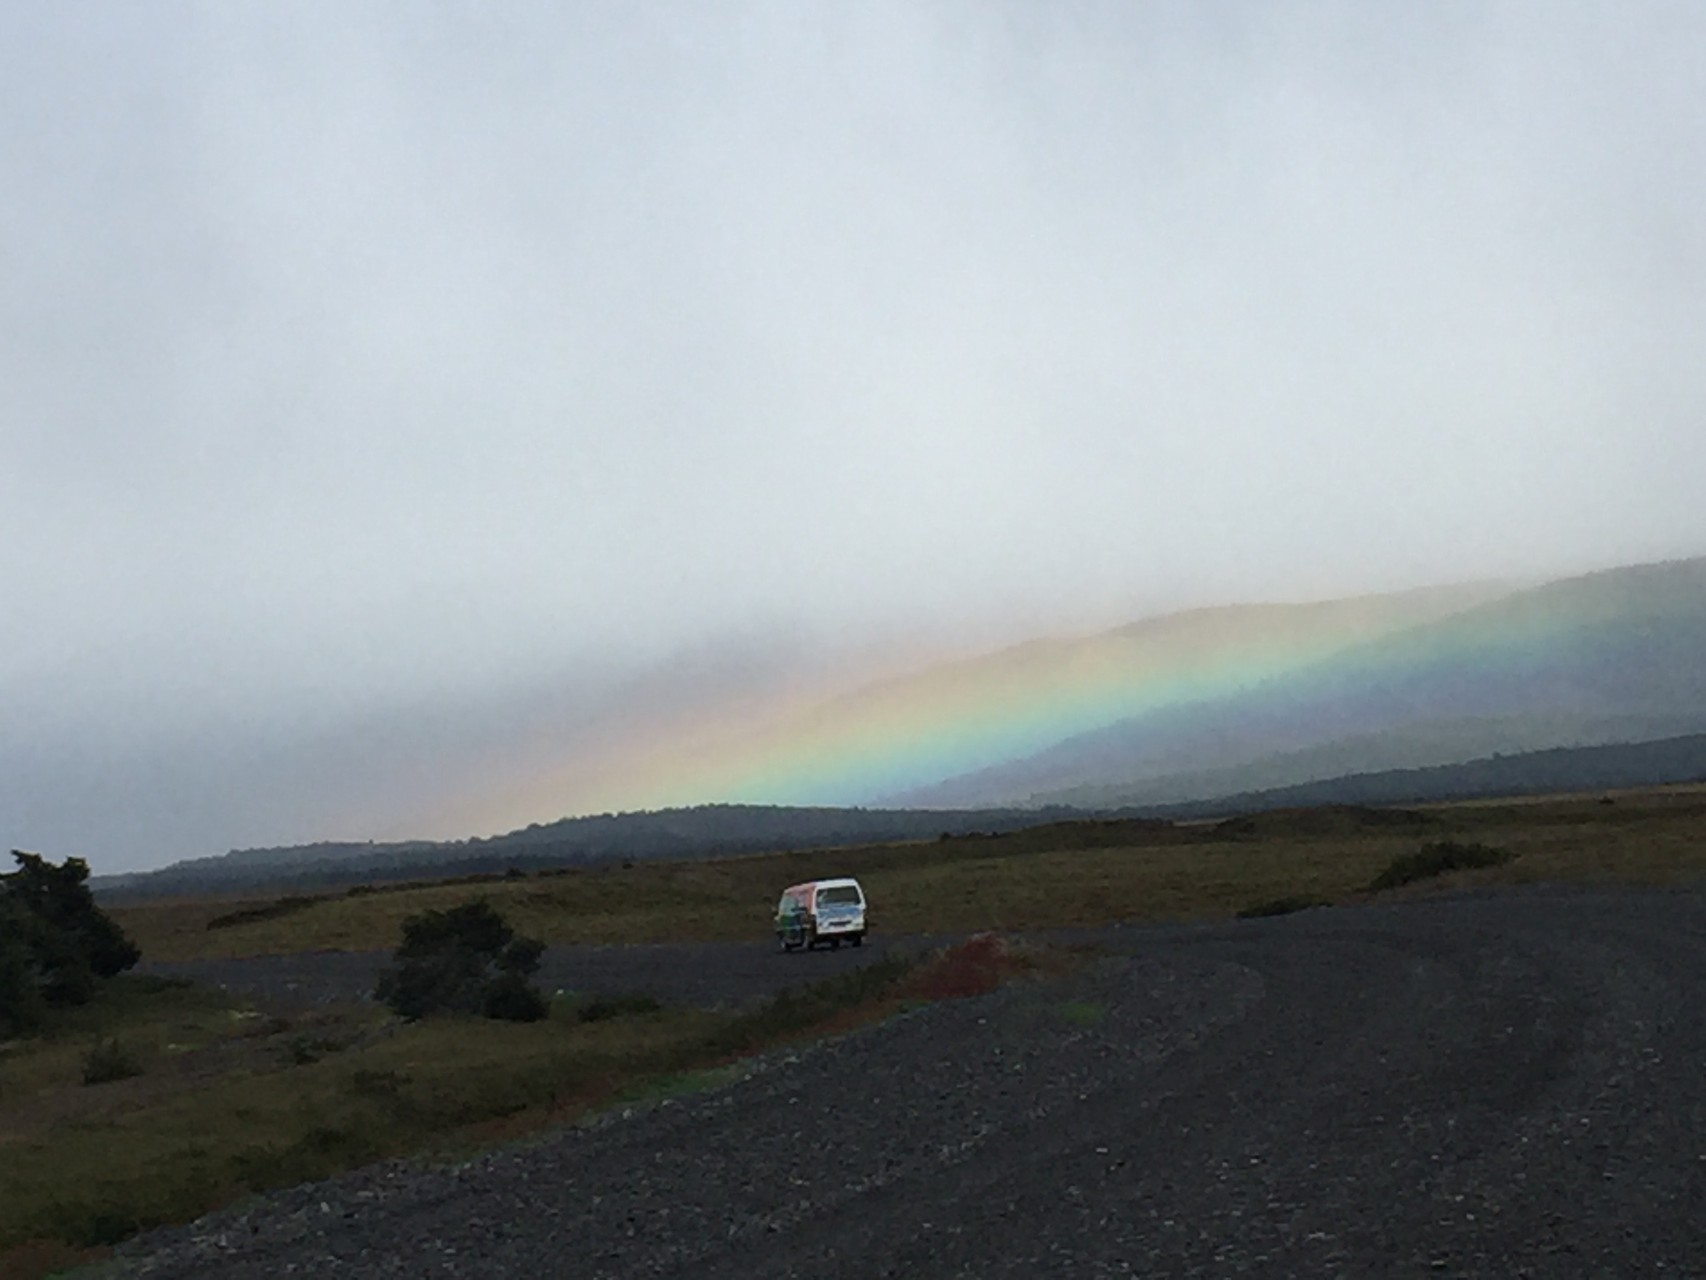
(397,396)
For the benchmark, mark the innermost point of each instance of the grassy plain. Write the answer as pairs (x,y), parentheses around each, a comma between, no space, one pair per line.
(231,1098)
(1081,873)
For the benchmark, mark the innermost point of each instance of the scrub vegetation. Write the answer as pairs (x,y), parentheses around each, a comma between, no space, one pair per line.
(198,1099)
(1437,859)
(466,960)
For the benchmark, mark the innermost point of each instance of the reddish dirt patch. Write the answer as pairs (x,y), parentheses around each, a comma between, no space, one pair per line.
(971,968)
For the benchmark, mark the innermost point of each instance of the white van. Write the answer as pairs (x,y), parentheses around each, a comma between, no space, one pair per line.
(827,911)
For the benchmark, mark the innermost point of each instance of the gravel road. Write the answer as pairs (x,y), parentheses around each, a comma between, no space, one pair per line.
(1501,1084)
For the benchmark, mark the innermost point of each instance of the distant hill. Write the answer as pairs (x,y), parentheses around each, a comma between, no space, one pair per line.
(1613,656)
(1438,743)
(713,830)
(1562,770)
(700,831)
(885,744)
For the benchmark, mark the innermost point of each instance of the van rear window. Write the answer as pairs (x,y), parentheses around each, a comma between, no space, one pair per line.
(840,896)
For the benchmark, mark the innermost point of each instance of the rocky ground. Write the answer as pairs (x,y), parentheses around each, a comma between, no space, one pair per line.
(1500,1084)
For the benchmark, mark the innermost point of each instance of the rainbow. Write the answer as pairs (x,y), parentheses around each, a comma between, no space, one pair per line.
(810,748)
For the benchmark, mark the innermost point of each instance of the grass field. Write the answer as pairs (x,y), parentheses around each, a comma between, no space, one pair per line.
(229,1099)
(218,1098)
(1069,874)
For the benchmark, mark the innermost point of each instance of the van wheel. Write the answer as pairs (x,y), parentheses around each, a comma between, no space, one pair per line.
(858,939)
(835,944)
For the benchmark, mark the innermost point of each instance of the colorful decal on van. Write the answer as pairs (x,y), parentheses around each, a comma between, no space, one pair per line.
(821,911)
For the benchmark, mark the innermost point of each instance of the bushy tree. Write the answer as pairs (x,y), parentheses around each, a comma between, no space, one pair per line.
(463,960)
(55,943)
(21,1003)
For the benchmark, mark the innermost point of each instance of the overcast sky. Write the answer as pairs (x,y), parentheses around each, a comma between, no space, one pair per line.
(378,378)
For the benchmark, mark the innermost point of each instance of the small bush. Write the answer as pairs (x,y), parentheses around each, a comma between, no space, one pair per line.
(1281,906)
(513,999)
(109,1060)
(464,960)
(1437,859)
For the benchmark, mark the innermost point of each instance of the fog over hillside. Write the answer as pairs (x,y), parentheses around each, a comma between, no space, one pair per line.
(1618,656)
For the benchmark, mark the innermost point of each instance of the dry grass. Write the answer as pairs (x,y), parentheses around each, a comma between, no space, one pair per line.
(176,1146)
(1063,875)
(227,1105)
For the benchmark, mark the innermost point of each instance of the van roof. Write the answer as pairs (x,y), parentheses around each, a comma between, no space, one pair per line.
(824,884)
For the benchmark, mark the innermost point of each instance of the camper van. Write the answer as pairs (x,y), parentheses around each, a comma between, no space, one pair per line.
(826,911)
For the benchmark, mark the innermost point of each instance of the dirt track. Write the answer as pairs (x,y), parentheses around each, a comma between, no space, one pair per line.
(1500,1085)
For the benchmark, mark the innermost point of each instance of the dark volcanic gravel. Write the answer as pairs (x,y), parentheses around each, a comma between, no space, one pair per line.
(1502,1084)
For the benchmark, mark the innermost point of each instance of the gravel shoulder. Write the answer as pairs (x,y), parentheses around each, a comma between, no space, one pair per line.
(1498,1084)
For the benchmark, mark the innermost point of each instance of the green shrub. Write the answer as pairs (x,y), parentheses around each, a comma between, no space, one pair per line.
(463,960)
(512,998)
(22,1006)
(55,943)
(109,1060)
(1437,859)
